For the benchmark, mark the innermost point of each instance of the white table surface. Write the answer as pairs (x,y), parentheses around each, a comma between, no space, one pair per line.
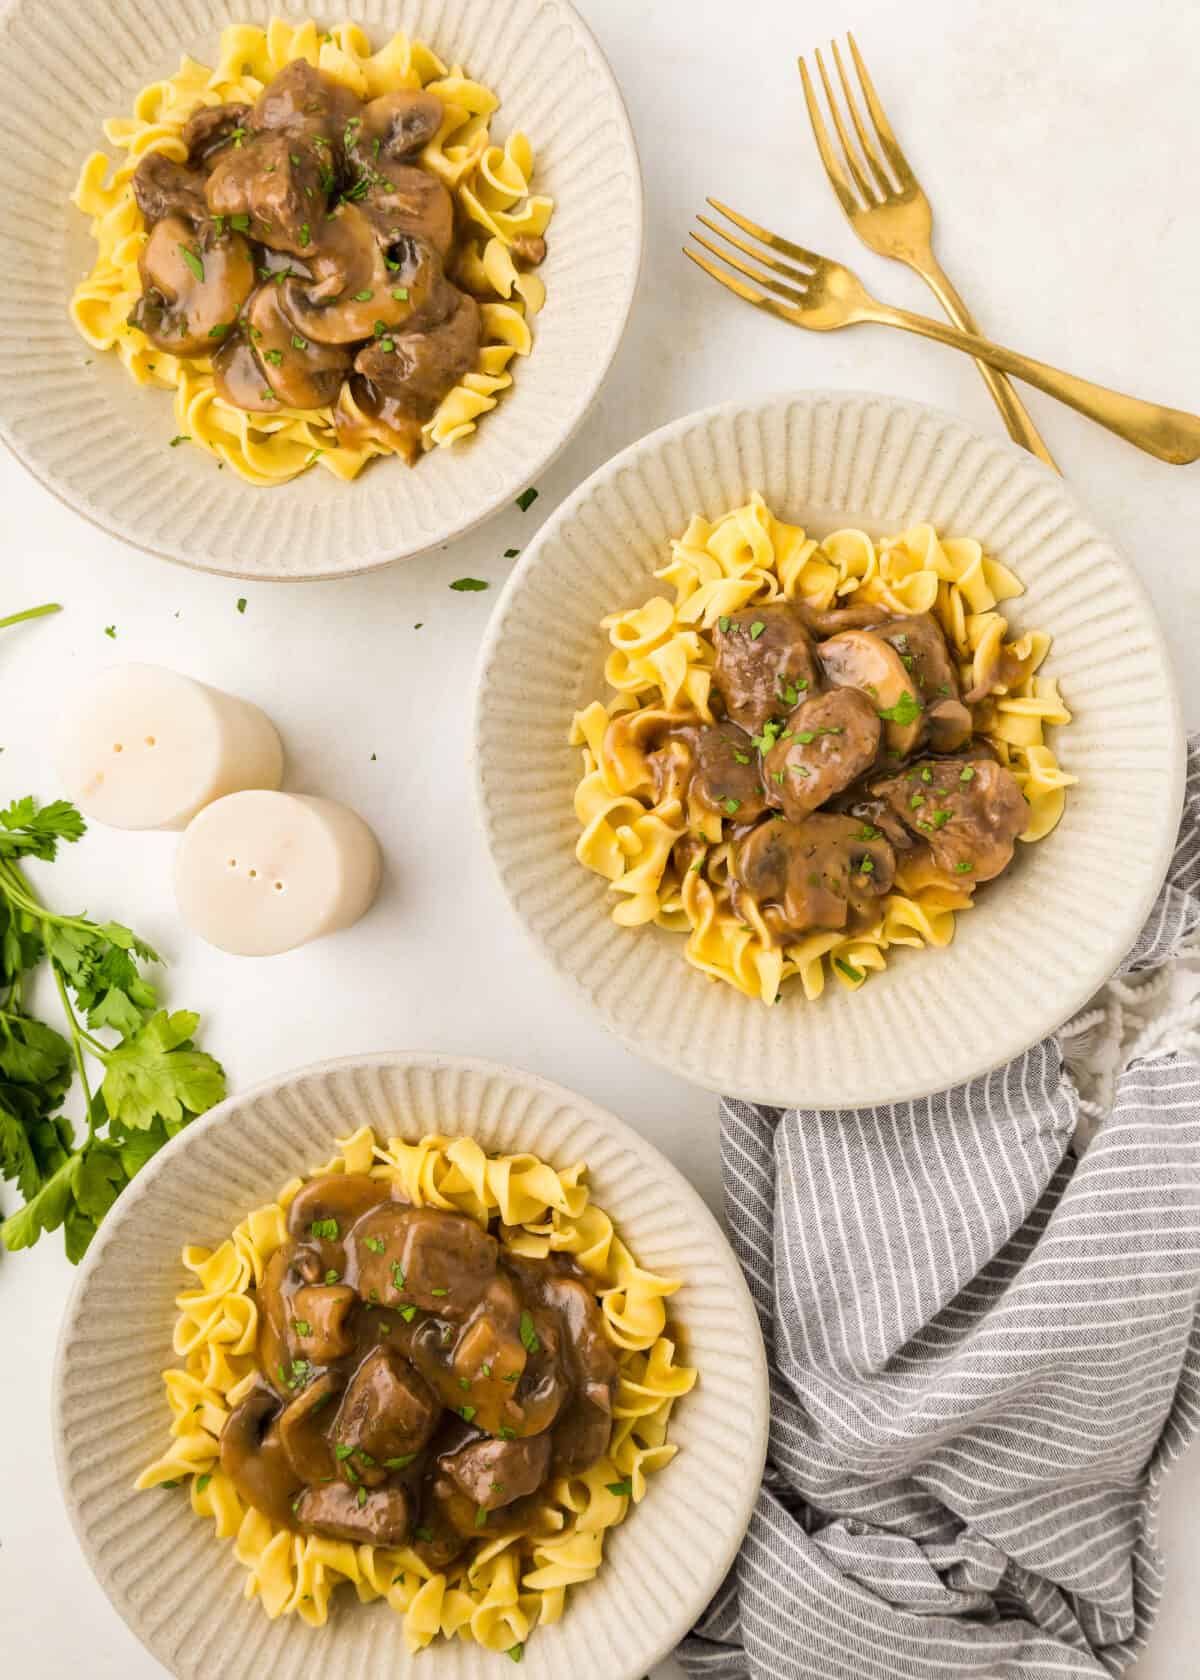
(1057,140)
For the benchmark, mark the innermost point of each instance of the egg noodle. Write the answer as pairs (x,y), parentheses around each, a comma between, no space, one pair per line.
(484,1596)
(490,185)
(661,656)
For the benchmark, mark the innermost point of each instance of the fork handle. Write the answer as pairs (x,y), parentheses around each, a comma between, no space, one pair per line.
(1016,416)
(1169,433)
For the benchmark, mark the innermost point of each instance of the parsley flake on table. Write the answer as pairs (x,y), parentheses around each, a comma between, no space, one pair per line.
(241,603)
(526,500)
(110,630)
(30,612)
(153,1080)
(469,584)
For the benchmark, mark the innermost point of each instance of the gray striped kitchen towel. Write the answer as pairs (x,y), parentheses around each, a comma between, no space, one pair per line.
(984,1347)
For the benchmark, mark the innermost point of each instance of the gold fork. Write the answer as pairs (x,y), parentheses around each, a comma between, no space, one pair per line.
(822,295)
(893,218)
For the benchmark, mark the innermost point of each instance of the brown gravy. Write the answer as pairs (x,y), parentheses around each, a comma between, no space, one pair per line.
(421,1384)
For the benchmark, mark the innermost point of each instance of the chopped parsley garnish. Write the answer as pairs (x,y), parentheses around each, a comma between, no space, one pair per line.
(400,293)
(804,736)
(110,630)
(332,1277)
(507,1434)
(466,1413)
(867,866)
(305,235)
(926,773)
(723,623)
(741,757)
(169,1484)
(905,711)
(324,1228)
(184,437)
(275,357)
(941,818)
(375,1244)
(515,1652)
(485,1370)
(192,260)
(219,331)
(848,969)
(302,1327)
(966,774)
(241,603)
(526,500)
(756,629)
(203,1481)
(299,343)
(868,832)
(529,1336)
(468,585)
(481,1517)
(464,1382)
(362,1496)
(777,776)
(917,800)
(398,1278)
(401,1463)
(363,297)
(731,804)
(408,1314)
(439,1292)
(342,1452)
(241,222)
(790,692)
(963,868)
(621,1489)
(423,1533)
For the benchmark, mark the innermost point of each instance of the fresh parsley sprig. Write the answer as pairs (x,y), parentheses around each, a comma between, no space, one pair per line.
(152,1079)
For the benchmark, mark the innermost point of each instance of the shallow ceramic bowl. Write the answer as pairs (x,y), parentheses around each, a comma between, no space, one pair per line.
(99,442)
(1039,942)
(180,1589)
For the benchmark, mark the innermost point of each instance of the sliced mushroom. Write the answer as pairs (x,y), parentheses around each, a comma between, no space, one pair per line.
(301,372)
(828,742)
(404,202)
(829,621)
(401,122)
(340,1197)
(493,1474)
(272,188)
(969,812)
(765,663)
(862,659)
(162,187)
(321,1321)
(253,1458)
(380,1516)
(355,295)
(211,127)
(819,874)
(193,287)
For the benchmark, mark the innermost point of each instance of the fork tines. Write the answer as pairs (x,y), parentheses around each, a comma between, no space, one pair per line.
(794,280)
(877,152)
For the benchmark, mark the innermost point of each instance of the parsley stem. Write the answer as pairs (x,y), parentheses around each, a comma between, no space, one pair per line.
(77,1048)
(30,612)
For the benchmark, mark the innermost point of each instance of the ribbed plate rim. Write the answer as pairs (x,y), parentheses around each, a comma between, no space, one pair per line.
(864,1090)
(238,1111)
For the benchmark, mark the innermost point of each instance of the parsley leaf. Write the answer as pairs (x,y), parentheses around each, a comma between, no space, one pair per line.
(469,583)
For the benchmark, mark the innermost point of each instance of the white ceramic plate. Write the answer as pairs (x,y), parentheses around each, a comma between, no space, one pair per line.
(180,1590)
(1039,942)
(99,442)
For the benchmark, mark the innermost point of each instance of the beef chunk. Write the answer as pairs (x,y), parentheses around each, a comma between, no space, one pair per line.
(828,743)
(494,1473)
(765,663)
(969,812)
